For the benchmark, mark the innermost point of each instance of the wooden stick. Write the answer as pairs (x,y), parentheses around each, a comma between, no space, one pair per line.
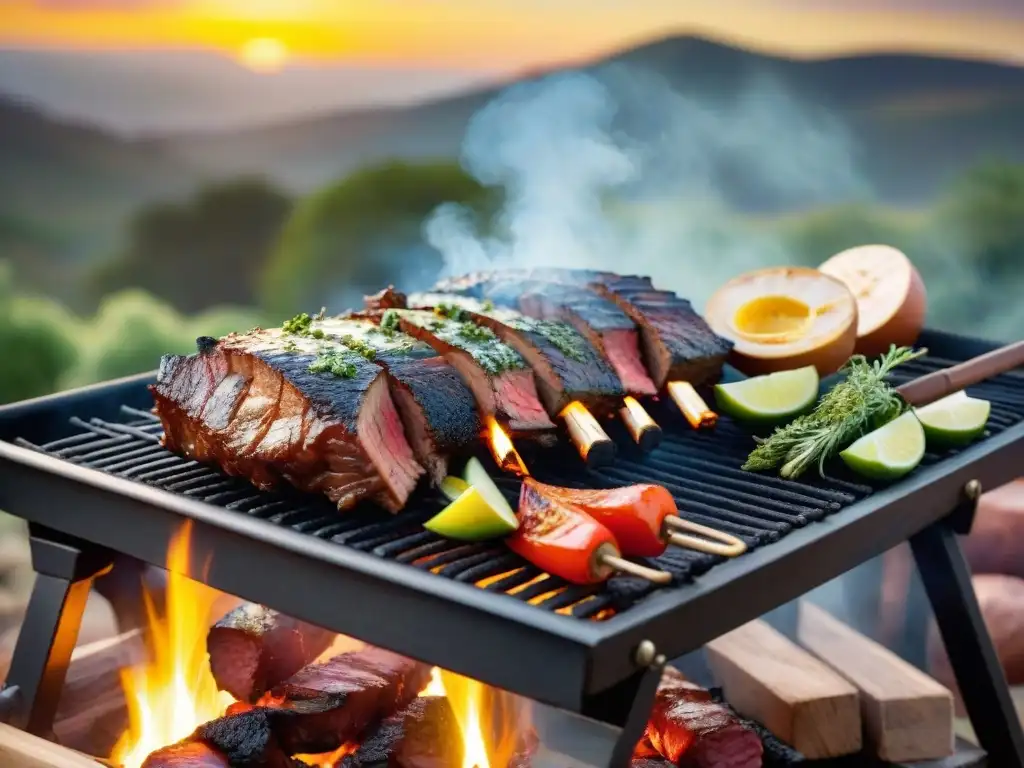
(20,750)
(634,569)
(935,386)
(730,546)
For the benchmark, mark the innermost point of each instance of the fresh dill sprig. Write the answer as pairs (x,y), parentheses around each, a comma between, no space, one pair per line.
(862,401)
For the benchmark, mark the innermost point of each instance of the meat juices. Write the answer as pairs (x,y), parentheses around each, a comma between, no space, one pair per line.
(688,727)
(566,365)
(273,406)
(335,701)
(253,648)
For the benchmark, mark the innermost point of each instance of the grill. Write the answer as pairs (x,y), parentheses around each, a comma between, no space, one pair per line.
(86,470)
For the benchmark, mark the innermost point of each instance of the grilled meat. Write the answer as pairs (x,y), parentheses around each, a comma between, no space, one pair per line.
(688,727)
(497,375)
(283,404)
(425,734)
(567,367)
(437,408)
(247,738)
(335,701)
(254,648)
(678,344)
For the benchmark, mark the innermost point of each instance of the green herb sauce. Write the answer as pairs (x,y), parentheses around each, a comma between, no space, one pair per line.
(335,362)
(359,346)
(298,325)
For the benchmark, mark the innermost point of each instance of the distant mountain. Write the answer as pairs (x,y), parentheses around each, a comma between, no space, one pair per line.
(917,120)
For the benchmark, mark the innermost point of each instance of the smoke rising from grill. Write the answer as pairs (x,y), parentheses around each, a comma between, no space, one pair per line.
(617,170)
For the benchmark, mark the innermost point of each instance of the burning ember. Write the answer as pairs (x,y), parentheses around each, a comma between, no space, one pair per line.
(692,405)
(504,452)
(173,694)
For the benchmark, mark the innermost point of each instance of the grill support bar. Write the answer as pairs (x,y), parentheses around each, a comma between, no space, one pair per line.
(65,570)
(972,655)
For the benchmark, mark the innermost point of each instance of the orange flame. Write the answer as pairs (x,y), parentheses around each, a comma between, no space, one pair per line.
(503,450)
(174,693)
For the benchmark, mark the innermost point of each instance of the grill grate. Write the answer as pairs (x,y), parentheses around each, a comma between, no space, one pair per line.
(700,469)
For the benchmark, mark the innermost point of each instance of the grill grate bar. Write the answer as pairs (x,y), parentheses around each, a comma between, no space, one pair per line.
(700,469)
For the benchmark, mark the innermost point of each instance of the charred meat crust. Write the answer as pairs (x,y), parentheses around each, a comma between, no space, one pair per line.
(425,734)
(335,701)
(247,738)
(566,364)
(252,405)
(253,648)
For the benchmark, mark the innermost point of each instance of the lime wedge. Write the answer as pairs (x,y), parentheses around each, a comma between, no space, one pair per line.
(955,420)
(772,398)
(452,487)
(471,518)
(475,475)
(890,452)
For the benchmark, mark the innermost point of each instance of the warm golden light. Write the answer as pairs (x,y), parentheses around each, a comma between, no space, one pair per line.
(583,428)
(692,405)
(264,55)
(503,450)
(174,693)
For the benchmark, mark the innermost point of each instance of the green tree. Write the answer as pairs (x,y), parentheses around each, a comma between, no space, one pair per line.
(36,343)
(208,252)
(814,237)
(984,215)
(132,330)
(363,232)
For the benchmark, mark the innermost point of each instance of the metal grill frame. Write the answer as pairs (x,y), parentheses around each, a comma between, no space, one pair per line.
(582,666)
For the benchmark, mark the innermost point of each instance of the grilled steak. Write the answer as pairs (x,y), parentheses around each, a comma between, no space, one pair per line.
(567,367)
(425,734)
(284,404)
(247,738)
(254,648)
(497,375)
(689,728)
(437,408)
(678,344)
(334,702)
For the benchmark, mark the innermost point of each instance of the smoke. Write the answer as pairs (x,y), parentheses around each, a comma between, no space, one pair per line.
(618,170)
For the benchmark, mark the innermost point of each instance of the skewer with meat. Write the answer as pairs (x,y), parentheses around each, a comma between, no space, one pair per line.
(643,518)
(567,367)
(253,648)
(335,701)
(437,408)
(498,376)
(688,727)
(288,404)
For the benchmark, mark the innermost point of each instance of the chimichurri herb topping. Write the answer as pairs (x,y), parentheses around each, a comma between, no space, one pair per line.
(359,346)
(473,332)
(298,325)
(389,322)
(451,311)
(334,362)
(488,305)
(565,338)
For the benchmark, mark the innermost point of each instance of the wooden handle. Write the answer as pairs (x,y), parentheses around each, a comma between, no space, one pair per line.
(634,569)
(730,546)
(940,384)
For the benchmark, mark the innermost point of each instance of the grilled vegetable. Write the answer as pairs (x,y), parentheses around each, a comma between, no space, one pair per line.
(642,518)
(565,541)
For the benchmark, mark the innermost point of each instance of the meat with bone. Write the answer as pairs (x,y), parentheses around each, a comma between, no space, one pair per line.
(566,365)
(678,344)
(688,727)
(497,375)
(600,320)
(437,408)
(253,648)
(335,701)
(247,738)
(282,404)
(425,734)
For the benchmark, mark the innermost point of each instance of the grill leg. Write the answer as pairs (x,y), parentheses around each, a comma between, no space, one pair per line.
(979,675)
(65,570)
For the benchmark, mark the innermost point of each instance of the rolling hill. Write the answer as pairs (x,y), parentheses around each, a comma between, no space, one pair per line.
(915,120)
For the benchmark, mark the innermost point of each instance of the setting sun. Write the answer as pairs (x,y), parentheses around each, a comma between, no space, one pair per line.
(265,55)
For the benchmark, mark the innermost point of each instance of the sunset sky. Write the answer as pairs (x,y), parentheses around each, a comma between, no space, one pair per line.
(502,35)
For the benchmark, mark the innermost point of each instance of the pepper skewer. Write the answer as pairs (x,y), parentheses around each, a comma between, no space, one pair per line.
(692,405)
(642,428)
(643,519)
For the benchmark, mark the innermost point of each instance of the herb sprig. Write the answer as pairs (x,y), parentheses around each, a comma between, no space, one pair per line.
(859,403)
